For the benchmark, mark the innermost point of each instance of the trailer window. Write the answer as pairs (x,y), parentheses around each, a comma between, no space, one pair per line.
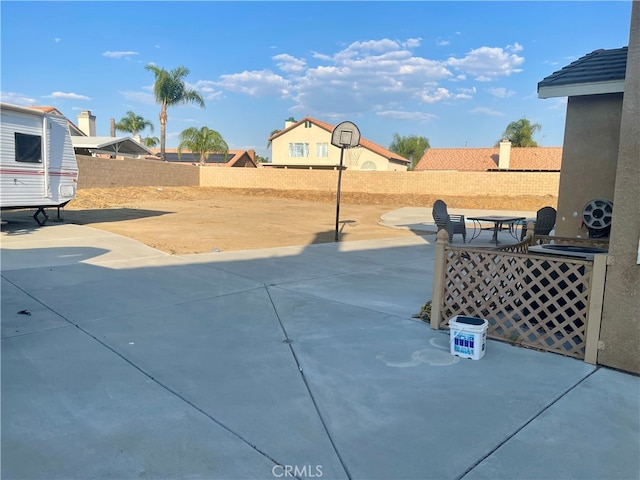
(28,148)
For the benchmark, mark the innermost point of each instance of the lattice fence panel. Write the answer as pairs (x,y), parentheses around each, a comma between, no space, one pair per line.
(530,300)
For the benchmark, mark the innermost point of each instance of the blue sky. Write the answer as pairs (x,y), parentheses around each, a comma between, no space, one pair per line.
(454,72)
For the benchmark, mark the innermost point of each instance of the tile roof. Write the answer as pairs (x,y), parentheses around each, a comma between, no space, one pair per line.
(483,159)
(215,159)
(598,67)
(369,145)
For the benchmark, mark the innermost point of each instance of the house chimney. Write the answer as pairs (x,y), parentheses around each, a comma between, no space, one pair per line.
(112,125)
(87,123)
(288,122)
(505,154)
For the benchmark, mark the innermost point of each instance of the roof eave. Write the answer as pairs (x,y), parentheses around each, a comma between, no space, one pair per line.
(576,90)
(127,145)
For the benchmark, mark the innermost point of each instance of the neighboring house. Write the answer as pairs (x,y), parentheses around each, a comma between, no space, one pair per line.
(548,159)
(234,158)
(307,144)
(85,141)
(109,147)
(601,160)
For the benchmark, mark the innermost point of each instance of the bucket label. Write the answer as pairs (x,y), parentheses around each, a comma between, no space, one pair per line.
(464,343)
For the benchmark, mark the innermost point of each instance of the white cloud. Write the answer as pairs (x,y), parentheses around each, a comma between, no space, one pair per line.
(17,98)
(412,42)
(486,111)
(67,96)
(57,39)
(488,63)
(467,91)
(289,64)
(435,95)
(366,75)
(207,88)
(501,92)
(378,75)
(321,56)
(119,54)
(256,83)
(402,115)
(442,43)
(516,47)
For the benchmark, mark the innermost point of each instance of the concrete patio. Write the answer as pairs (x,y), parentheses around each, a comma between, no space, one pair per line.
(120,361)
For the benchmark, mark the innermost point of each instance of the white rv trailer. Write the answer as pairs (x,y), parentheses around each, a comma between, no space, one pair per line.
(38,166)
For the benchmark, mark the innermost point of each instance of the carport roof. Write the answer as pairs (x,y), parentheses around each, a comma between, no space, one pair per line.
(110,145)
(601,71)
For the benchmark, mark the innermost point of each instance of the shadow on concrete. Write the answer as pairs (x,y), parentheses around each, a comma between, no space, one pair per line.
(239,364)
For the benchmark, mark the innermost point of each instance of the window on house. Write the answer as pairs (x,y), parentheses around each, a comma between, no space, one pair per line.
(28,148)
(322,149)
(298,150)
(369,165)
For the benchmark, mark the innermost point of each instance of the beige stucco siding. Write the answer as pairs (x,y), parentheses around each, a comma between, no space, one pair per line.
(620,327)
(589,157)
(312,136)
(353,159)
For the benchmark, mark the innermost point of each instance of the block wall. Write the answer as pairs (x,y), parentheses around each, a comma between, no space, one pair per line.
(97,172)
(105,173)
(427,183)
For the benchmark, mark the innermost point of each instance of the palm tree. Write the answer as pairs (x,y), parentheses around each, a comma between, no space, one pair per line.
(133,124)
(273,132)
(169,90)
(151,141)
(202,141)
(411,147)
(520,133)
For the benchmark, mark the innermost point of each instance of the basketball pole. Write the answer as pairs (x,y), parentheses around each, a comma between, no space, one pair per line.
(338,194)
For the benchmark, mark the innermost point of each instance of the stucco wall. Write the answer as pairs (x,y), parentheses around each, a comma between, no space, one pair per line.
(589,157)
(425,183)
(104,173)
(620,328)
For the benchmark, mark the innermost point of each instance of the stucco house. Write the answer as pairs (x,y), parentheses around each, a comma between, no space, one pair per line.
(601,160)
(307,144)
(504,157)
(234,158)
(85,142)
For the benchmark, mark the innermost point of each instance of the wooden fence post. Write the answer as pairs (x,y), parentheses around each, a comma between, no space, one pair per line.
(531,232)
(442,240)
(594,311)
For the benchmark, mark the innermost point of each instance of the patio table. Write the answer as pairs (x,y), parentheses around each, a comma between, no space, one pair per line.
(499,223)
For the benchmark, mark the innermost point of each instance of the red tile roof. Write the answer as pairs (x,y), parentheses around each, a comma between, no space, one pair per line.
(482,159)
(369,145)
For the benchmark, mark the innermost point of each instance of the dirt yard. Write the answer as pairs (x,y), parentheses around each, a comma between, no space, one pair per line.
(180,220)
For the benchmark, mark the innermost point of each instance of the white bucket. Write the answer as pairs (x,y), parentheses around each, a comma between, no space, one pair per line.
(468,336)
